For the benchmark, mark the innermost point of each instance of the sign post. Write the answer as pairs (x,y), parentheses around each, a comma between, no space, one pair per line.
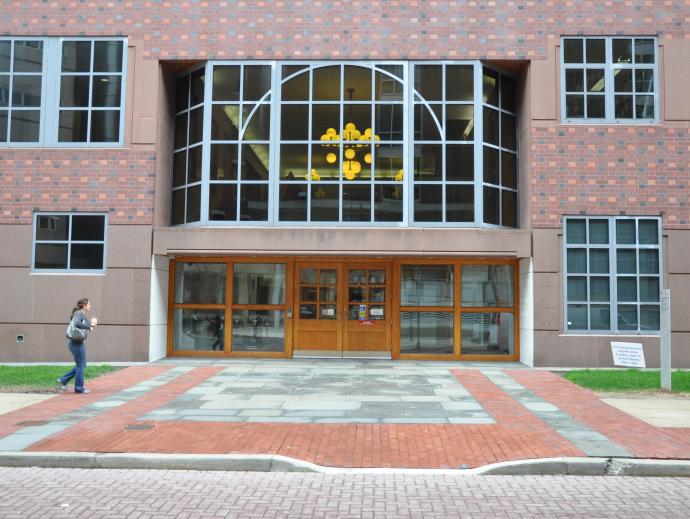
(665,339)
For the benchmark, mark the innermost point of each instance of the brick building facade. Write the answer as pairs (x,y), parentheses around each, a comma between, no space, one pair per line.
(445,288)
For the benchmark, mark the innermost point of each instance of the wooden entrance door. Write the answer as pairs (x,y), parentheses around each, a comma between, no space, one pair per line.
(367,319)
(342,307)
(318,307)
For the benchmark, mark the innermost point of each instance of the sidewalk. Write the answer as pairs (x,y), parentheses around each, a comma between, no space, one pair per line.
(337,413)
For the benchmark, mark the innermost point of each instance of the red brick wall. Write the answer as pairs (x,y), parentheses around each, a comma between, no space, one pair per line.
(416,29)
(609,169)
(114,180)
(598,170)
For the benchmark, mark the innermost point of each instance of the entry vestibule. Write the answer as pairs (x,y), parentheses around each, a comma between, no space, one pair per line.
(460,308)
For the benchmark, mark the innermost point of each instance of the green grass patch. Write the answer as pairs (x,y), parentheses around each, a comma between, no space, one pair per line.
(627,380)
(43,379)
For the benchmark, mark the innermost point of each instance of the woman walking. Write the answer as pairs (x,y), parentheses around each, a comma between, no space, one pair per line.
(78,347)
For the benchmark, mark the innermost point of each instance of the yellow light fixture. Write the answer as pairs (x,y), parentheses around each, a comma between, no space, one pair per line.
(367,158)
(399,177)
(349,154)
(331,158)
(315,175)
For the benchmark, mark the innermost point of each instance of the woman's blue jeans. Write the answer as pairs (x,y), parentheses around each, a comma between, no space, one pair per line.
(78,350)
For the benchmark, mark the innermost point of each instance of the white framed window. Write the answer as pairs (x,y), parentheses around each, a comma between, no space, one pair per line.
(612,274)
(62,91)
(69,242)
(366,143)
(609,79)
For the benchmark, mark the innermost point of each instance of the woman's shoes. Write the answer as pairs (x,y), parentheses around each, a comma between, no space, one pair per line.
(63,387)
(84,392)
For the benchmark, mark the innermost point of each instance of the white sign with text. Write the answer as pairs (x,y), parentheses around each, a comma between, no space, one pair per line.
(629,354)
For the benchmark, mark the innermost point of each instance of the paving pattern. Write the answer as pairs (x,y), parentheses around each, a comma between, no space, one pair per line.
(64,493)
(347,392)
(340,414)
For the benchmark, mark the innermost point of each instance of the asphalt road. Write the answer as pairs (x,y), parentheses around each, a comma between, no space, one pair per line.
(76,493)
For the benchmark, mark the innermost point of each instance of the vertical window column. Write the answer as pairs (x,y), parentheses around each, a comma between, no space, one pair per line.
(187,148)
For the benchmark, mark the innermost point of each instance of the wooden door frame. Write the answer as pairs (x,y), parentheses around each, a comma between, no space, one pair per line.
(291,295)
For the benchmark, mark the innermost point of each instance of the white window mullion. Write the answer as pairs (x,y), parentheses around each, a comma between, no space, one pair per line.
(205,143)
(479,145)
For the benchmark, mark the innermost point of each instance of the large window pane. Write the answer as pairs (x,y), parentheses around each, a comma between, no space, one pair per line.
(258,330)
(25,125)
(105,125)
(326,83)
(86,256)
(52,227)
(106,91)
(649,317)
(226,83)
(50,256)
(459,203)
(258,284)
(459,82)
(88,227)
(428,163)
(459,122)
(223,162)
(577,317)
(73,126)
(488,333)
(428,203)
(257,82)
(225,122)
(198,330)
(388,203)
(76,56)
(26,91)
(426,285)
(460,162)
(222,202)
(600,317)
(254,202)
(293,202)
(200,283)
(325,203)
(428,81)
(487,285)
(107,56)
(576,261)
(427,333)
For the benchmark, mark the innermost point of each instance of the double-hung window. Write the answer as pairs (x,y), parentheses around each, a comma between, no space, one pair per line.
(613,274)
(69,242)
(609,79)
(62,91)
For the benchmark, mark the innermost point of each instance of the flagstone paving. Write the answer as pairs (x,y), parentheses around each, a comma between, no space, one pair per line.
(340,413)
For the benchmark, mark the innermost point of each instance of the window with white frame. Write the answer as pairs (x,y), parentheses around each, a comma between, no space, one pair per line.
(69,242)
(613,274)
(609,79)
(356,143)
(62,91)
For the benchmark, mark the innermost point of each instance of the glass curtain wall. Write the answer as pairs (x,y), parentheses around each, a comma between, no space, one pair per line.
(366,144)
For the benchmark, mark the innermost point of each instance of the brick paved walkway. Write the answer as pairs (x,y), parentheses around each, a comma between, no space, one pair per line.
(64,493)
(452,417)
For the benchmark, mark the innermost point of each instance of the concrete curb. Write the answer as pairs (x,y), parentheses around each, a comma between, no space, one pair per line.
(277,463)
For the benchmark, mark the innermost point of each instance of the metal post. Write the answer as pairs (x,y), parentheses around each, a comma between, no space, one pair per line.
(665,339)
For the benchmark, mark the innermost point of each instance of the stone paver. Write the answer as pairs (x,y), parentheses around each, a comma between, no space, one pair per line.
(64,493)
(338,393)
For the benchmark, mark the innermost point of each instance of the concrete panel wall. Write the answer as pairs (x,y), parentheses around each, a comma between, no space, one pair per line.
(553,347)
(526,312)
(248,240)
(38,306)
(158,320)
